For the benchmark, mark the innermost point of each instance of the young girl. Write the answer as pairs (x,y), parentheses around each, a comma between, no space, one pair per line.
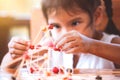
(75,34)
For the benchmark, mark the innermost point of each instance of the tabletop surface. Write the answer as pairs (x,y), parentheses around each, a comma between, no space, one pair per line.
(78,74)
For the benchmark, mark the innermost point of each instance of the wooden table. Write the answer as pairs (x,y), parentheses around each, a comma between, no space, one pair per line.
(78,74)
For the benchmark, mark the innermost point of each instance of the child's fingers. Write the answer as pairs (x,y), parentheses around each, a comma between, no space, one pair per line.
(20,41)
(14,56)
(18,46)
(68,39)
(15,53)
(60,38)
(69,45)
(68,36)
(74,50)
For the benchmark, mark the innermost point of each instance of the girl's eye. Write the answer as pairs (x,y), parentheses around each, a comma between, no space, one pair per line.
(75,23)
(56,26)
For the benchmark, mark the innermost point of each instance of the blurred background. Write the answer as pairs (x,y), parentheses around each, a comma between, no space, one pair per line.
(15,18)
(24,18)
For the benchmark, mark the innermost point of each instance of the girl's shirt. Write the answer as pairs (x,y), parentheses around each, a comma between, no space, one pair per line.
(86,61)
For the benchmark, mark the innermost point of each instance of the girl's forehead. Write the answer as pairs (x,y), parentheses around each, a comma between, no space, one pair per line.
(63,12)
(64,16)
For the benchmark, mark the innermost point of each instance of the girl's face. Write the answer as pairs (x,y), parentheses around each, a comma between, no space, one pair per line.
(63,23)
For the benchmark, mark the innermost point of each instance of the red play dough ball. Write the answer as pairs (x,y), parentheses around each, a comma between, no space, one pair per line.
(50,27)
(31,46)
(31,70)
(56,49)
(55,70)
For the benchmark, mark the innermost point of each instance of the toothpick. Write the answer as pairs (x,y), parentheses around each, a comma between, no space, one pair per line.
(38,59)
(14,62)
(44,37)
(17,72)
(37,36)
(42,66)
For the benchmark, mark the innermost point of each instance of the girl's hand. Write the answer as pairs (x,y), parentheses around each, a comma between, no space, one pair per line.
(73,42)
(12,64)
(17,47)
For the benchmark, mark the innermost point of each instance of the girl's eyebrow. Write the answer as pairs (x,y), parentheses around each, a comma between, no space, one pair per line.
(54,24)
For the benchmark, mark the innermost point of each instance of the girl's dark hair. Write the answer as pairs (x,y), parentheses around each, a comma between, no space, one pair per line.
(111,27)
(88,6)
